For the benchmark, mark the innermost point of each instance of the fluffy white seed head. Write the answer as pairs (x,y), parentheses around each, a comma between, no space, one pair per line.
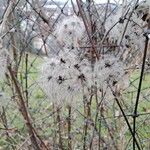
(117,30)
(109,70)
(60,79)
(144,7)
(110,75)
(69,31)
(133,38)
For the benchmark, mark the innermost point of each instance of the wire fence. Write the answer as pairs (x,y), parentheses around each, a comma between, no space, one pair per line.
(74,75)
